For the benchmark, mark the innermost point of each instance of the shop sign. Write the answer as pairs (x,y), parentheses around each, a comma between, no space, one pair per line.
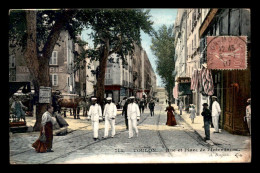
(227,52)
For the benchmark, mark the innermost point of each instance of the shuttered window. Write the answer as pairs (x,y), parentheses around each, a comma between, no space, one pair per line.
(54,79)
(54,58)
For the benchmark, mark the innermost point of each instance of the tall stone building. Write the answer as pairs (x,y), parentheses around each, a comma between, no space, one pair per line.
(181,79)
(187,55)
(132,78)
(195,17)
(61,66)
(116,79)
(153,89)
(137,71)
(232,87)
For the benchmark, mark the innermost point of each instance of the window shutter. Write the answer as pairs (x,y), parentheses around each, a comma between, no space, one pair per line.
(55,79)
(55,57)
(51,79)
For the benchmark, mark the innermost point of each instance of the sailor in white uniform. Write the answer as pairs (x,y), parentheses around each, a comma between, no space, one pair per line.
(95,114)
(215,113)
(133,115)
(109,115)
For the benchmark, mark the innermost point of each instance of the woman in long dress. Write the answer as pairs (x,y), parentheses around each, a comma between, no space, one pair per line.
(47,129)
(171,121)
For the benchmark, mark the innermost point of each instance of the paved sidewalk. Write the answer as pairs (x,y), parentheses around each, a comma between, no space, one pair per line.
(74,124)
(223,139)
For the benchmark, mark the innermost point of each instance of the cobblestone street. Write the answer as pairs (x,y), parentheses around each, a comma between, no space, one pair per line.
(156,143)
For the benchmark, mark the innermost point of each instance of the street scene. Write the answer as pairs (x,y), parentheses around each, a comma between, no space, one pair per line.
(156,143)
(93,86)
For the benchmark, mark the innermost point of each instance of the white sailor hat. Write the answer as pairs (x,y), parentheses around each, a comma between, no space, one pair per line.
(132,97)
(93,98)
(109,98)
(214,97)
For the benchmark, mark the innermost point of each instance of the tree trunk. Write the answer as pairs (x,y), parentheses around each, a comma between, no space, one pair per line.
(101,78)
(38,65)
(43,80)
(32,61)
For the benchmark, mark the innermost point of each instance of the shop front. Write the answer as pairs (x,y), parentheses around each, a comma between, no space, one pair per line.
(184,91)
(113,91)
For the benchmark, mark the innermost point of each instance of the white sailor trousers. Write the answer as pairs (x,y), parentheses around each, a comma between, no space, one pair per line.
(95,126)
(215,123)
(132,124)
(111,123)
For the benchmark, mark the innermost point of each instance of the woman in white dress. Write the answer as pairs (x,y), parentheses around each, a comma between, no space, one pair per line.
(192,112)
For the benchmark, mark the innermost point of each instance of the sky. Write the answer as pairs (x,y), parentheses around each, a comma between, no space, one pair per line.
(159,17)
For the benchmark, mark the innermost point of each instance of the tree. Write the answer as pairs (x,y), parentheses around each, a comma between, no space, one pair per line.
(114,32)
(163,48)
(36,33)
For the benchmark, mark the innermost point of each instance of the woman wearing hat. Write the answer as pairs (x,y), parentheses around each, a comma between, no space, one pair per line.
(192,112)
(171,121)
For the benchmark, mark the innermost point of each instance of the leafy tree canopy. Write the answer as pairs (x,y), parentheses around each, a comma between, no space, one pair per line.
(45,21)
(117,29)
(163,48)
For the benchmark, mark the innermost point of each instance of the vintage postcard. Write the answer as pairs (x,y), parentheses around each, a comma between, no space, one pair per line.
(113,86)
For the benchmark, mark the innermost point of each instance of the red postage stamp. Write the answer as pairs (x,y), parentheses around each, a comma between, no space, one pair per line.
(227,52)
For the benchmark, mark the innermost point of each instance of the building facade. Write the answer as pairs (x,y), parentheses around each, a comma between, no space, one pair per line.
(134,77)
(61,66)
(180,58)
(195,18)
(137,71)
(232,87)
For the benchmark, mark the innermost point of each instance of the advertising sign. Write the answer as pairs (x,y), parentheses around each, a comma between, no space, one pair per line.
(45,95)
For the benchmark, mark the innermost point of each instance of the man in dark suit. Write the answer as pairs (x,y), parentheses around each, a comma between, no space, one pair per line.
(207,120)
(124,112)
(151,107)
